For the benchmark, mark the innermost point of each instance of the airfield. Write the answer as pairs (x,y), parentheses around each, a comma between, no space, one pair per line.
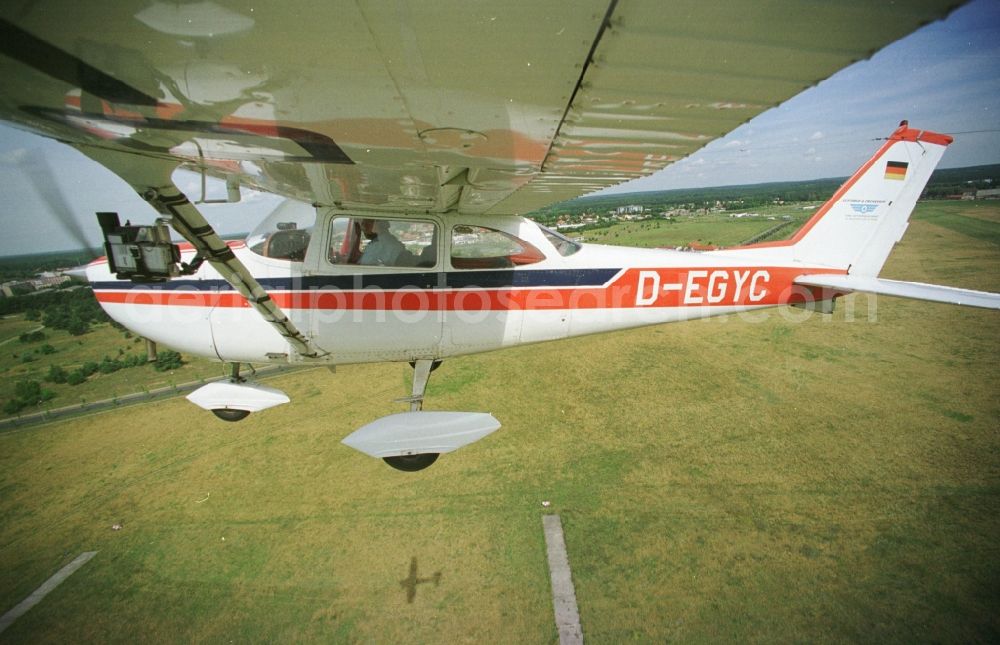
(777,477)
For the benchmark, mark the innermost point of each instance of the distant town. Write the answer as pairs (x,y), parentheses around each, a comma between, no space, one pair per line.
(44,280)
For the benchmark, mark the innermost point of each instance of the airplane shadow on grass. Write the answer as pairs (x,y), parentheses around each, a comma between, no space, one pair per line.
(411,581)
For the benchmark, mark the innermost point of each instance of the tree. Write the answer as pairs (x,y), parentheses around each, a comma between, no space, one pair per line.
(109,366)
(134,360)
(56,374)
(77,326)
(167,360)
(27,393)
(12,406)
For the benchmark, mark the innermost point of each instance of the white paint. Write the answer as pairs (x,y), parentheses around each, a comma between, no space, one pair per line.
(653,278)
(758,293)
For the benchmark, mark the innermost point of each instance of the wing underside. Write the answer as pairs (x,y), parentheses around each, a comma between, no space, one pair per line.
(478,107)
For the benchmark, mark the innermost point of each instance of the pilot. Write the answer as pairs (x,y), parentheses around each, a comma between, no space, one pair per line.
(383,248)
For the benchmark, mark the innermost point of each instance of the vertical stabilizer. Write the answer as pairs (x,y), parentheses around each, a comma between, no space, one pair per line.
(864,219)
(856,229)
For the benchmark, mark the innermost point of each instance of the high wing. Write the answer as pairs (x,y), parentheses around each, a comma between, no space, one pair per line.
(477,107)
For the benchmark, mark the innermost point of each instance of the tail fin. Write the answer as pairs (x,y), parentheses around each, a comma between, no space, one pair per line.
(856,229)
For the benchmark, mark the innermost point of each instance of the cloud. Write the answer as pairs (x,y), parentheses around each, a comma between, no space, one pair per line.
(816,136)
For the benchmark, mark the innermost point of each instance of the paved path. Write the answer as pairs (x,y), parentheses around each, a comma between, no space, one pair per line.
(38,594)
(563,594)
(13,338)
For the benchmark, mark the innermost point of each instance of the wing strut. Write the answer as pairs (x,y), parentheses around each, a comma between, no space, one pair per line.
(151,177)
(189,222)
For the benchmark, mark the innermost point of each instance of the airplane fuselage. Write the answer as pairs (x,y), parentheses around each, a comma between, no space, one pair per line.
(451,305)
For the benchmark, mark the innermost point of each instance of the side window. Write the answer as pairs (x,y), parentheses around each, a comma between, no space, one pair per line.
(285,234)
(382,242)
(478,247)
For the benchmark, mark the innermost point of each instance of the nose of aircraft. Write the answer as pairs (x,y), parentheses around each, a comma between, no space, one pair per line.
(77,274)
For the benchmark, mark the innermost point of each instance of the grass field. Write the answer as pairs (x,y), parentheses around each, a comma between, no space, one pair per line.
(13,326)
(70,352)
(717,229)
(790,479)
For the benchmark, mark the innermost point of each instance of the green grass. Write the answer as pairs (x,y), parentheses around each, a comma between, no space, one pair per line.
(11,327)
(719,481)
(717,228)
(72,351)
(978,220)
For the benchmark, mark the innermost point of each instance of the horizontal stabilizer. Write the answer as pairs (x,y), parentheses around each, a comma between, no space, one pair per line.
(917,290)
(414,433)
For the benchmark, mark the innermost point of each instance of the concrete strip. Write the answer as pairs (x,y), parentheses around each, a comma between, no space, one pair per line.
(36,596)
(563,594)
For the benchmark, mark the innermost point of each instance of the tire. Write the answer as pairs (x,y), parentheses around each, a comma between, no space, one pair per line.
(412,463)
(229,414)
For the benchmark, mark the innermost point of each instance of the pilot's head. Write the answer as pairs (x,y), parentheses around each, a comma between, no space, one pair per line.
(372,227)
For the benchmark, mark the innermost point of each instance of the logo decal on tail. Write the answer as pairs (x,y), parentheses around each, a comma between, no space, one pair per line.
(896,170)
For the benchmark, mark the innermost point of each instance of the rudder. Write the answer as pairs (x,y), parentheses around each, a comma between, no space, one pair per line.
(856,229)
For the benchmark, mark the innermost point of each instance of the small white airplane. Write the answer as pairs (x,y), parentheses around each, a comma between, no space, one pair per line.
(409,140)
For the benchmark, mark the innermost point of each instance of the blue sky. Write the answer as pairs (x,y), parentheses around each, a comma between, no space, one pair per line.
(945,77)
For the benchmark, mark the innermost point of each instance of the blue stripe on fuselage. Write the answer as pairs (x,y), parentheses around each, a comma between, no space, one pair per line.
(493,279)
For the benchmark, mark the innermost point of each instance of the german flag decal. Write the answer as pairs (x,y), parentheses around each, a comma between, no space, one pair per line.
(896,170)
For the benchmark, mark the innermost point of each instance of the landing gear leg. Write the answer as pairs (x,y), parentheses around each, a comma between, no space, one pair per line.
(421,375)
(230,414)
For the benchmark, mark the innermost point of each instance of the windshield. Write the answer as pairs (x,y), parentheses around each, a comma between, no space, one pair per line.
(563,244)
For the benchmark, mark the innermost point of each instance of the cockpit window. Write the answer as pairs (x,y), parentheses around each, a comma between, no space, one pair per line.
(285,233)
(563,244)
(382,242)
(478,247)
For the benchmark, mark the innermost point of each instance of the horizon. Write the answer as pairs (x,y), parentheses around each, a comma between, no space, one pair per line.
(99,248)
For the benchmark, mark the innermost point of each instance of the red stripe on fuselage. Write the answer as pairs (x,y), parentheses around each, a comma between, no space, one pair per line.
(673,287)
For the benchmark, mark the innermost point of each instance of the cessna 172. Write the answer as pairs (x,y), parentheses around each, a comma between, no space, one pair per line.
(415,135)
